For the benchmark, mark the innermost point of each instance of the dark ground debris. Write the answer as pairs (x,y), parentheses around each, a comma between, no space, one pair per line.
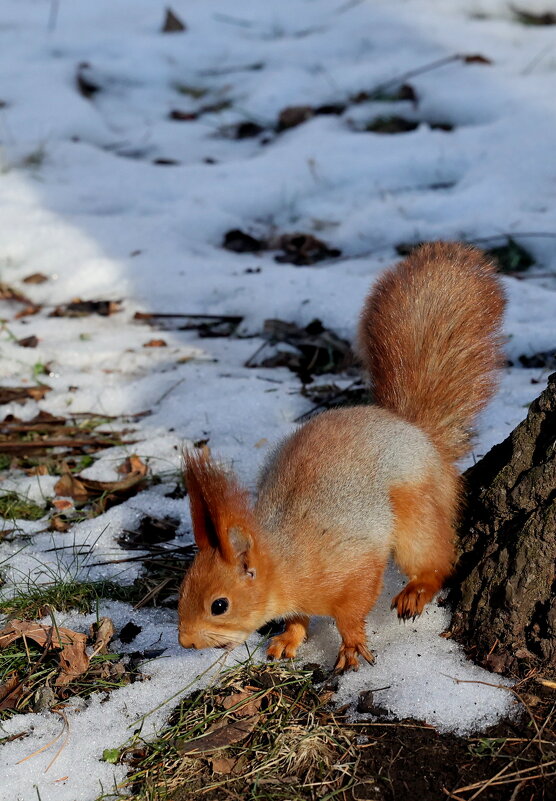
(298,248)
(312,350)
(543,360)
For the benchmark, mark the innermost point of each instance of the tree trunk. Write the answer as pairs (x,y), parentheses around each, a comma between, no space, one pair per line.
(503,593)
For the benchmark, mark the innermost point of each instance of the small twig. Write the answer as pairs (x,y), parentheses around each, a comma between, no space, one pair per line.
(151,594)
(400,79)
(168,392)
(39,444)
(225,318)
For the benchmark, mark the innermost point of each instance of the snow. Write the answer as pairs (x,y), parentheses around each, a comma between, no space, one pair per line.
(82,202)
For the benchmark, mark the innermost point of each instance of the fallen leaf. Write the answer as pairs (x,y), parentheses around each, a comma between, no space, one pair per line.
(27,311)
(35,278)
(155,343)
(218,736)
(113,486)
(103,633)
(223,765)
(246,709)
(71,644)
(21,394)
(10,691)
(172,23)
(83,489)
(58,523)
(182,116)
(39,470)
(28,342)
(133,464)
(62,505)
(293,116)
(71,487)
(476,58)
(304,249)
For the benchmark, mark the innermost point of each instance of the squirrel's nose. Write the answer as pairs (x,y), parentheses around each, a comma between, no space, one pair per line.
(185,641)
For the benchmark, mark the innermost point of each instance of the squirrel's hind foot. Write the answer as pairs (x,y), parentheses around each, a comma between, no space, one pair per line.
(411,601)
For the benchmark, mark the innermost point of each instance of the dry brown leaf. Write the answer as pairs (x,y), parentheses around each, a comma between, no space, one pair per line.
(223,765)
(28,342)
(246,709)
(73,657)
(155,343)
(27,311)
(476,58)
(219,736)
(98,487)
(58,523)
(10,691)
(70,486)
(103,632)
(62,504)
(83,489)
(133,464)
(35,278)
(38,470)
(172,23)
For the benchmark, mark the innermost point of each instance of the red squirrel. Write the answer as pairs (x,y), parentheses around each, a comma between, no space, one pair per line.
(354,485)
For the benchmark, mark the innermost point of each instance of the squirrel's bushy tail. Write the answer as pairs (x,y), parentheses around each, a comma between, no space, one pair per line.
(430,338)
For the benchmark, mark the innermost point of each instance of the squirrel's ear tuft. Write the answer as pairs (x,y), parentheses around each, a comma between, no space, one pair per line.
(196,476)
(218,508)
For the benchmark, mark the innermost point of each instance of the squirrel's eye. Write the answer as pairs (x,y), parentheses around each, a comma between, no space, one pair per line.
(219,606)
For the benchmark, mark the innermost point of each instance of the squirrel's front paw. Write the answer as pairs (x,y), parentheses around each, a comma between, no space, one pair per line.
(348,657)
(283,645)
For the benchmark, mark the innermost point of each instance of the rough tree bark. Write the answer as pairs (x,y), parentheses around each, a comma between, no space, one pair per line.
(504,591)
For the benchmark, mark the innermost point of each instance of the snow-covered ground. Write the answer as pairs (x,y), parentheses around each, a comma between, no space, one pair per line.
(83,202)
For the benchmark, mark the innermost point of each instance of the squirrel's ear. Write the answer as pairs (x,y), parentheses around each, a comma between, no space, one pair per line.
(219,509)
(241,543)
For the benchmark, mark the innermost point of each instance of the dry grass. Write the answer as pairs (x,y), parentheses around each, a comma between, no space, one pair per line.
(289,746)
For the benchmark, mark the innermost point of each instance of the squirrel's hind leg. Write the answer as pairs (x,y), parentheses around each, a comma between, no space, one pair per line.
(287,643)
(350,610)
(423,541)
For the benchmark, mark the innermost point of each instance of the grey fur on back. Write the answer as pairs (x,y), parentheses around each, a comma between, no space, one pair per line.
(346,461)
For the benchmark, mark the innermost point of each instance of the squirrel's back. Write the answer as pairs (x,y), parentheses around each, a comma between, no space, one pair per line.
(332,478)
(429,337)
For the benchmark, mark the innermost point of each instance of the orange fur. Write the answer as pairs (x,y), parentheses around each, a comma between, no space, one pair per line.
(353,485)
(429,337)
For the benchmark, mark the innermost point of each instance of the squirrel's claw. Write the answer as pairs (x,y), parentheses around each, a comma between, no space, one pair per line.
(348,657)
